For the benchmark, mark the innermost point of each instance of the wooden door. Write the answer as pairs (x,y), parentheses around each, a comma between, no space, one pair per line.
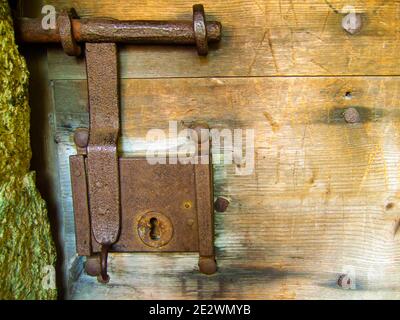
(323,202)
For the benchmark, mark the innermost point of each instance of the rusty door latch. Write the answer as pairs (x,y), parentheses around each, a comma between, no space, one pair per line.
(126,204)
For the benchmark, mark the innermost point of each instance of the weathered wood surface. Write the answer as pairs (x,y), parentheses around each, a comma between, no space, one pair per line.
(260,38)
(323,200)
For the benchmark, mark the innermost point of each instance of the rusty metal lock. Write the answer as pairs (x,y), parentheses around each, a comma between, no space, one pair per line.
(127,204)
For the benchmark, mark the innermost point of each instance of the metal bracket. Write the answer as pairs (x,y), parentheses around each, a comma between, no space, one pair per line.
(127,204)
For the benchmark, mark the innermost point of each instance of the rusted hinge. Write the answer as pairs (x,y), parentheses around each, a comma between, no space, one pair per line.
(127,204)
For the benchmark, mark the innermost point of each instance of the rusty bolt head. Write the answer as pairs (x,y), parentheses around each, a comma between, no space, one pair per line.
(352,23)
(92,266)
(207,265)
(351,115)
(81,137)
(344,281)
(221,204)
(200,29)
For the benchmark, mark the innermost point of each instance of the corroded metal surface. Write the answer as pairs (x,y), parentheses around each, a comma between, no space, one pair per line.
(68,42)
(102,158)
(178,196)
(200,29)
(92,265)
(103,174)
(221,204)
(157,32)
(81,140)
(81,205)
(164,192)
(205,209)
(28,30)
(94,30)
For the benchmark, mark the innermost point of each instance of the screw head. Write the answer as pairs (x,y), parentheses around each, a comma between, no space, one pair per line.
(92,265)
(352,23)
(81,137)
(207,265)
(344,281)
(351,115)
(221,204)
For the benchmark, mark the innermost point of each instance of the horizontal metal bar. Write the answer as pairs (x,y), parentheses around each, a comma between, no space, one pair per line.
(30,30)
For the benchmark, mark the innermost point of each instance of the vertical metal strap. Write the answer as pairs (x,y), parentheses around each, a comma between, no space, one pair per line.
(80,202)
(205,208)
(102,164)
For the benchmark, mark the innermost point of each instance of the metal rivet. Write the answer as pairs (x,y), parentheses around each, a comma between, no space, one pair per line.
(344,281)
(92,265)
(81,137)
(64,22)
(207,265)
(190,222)
(351,115)
(352,23)
(221,204)
(200,29)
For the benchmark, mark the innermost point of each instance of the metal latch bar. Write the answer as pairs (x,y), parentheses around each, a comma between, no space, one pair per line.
(103,173)
(94,30)
(102,157)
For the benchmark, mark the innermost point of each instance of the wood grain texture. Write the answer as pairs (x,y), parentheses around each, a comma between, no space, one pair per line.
(260,38)
(323,200)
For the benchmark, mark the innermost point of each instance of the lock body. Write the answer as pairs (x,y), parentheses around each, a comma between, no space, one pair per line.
(164,208)
(159,209)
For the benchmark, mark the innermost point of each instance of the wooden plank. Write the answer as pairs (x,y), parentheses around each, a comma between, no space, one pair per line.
(323,199)
(176,277)
(260,38)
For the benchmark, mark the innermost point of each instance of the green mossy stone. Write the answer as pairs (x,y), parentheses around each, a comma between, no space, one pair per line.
(27,252)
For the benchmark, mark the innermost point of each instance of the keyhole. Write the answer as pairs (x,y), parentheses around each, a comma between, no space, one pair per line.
(154,229)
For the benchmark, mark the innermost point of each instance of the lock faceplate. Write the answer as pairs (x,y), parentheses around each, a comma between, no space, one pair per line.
(165,208)
(174,195)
